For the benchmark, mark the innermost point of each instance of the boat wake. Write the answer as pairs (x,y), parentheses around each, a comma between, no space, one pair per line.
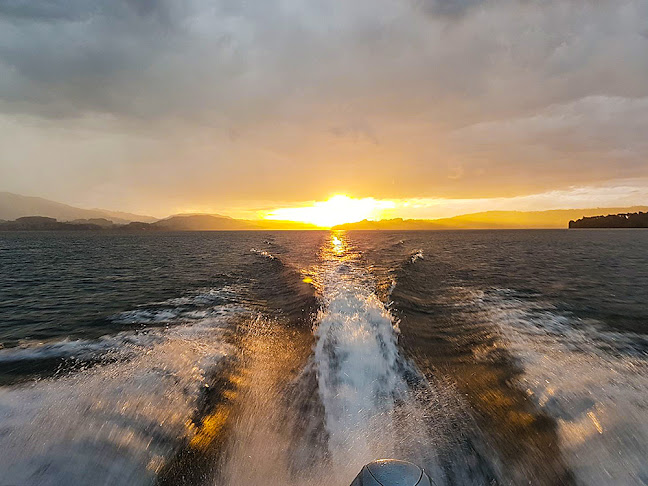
(354,400)
(591,381)
(294,405)
(112,423)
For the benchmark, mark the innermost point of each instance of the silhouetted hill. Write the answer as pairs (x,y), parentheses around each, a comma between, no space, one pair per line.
(396,224)
(40,223)
(14,206)
(202,222)
(119,217)
(103,222)
(60,214)
(624,220)
(137,226)
(214,222)
(267,224)
(185,222)
(558,218)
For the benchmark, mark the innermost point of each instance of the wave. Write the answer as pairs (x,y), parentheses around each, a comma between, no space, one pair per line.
(357,358)
(591,380)
(417,255)
(197,308)
(110,424)
(264,254)
(115,422)
(530,316)
(225,294)
(365,384)
(201,304)
(355,399)
(173,314)
(80,349)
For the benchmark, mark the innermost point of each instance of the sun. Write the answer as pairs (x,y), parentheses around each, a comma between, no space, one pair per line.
(339,209)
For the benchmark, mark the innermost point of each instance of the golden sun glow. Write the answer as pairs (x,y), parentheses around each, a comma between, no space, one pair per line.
(338,209)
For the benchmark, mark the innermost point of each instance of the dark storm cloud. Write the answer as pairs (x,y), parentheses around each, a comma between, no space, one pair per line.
(77,10)
(451,8)
(249,60)
(67,57)
(408,98)
(45,10)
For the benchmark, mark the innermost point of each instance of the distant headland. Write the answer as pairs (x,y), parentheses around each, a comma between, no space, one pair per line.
(623,220)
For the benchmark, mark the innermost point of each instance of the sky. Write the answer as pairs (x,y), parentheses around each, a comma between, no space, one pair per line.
(430,107)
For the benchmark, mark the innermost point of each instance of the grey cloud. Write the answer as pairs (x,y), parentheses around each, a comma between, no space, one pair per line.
(587,140)
(248,61)
(45,11)
(593,123)
(51,11)
(75,57)
(269,83)
(145,58)
(449,8)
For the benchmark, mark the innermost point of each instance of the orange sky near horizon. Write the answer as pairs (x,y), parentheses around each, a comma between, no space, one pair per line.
(342,208)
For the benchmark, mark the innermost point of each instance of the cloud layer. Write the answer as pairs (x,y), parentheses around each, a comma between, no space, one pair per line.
(155,105)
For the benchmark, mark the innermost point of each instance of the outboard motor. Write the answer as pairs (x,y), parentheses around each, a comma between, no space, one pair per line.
(391,472)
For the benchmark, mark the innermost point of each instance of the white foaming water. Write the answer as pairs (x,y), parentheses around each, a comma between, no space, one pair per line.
(128,343)
(365,406)
(369,410)
(196,306)
(417,255)
(358,379)
(593,382)
(263,253)
(109,424)
(81,349)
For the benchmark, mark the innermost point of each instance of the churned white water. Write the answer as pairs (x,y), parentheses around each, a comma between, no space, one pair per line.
(370,412)
(307,409)
(108,424)
(367,408)
(358,377)
(593,382)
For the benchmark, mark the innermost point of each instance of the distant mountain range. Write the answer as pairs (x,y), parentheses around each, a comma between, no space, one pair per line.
(41,223)
(17,213)
(14,206)
(207,222)
(557,218)
(193,222)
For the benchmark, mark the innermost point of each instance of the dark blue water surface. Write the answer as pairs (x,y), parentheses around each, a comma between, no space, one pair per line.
(71,284)
(515,357)
(57,285)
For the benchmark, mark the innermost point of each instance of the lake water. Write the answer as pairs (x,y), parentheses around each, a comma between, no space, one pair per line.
(293,358)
